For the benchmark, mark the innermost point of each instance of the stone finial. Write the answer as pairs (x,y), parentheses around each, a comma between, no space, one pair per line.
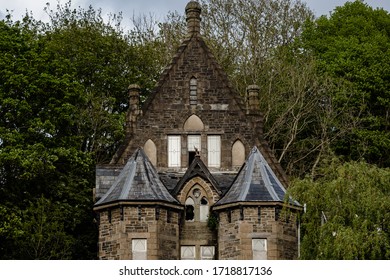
(193,19)
(253,98)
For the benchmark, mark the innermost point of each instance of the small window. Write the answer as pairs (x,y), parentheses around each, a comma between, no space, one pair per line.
(214,151)
(139,249)
(193,91)
(187,252)
(207,252)
(174,151)
(259,249)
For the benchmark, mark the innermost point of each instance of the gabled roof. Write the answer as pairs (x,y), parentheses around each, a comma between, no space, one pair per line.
(196,168)
(138,181)
(193,37)
(255,182)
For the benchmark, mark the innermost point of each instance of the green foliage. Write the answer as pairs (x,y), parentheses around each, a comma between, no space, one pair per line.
(212,222)
(347,213)
(353,45)
(63,102)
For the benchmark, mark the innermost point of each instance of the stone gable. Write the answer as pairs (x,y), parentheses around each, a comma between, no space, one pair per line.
(174,188)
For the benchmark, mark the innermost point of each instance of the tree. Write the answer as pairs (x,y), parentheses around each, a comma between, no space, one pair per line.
(353,45)
(347,214)
(63,100)
(256,43)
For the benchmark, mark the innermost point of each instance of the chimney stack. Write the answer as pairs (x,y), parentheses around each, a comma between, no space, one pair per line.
(193,11)
(253,99)
(134,106)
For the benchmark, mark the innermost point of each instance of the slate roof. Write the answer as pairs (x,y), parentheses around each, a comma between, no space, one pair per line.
(255,182)
(196,168)
(138,181)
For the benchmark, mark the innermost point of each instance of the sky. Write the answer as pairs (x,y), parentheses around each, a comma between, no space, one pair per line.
(158,8)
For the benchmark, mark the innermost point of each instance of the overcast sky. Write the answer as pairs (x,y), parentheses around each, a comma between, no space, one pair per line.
(158,8)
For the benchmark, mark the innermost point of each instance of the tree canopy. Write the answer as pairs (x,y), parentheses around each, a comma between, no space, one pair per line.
(325,87)
(63,100)
(353,45)
(347,212)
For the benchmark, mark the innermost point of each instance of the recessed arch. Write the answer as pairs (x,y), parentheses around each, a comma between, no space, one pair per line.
(193,123)
(151,151)
(238,154)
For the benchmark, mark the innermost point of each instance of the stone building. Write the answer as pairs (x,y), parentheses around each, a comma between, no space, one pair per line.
(194,178)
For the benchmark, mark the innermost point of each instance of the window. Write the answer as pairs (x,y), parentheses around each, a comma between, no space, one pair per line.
(193,91)
(190,210)
(259,249)
(214,151)
(197,206)
(174,151)
(207,252)
(139,249)
(187,252)
(204,210)
(193,147)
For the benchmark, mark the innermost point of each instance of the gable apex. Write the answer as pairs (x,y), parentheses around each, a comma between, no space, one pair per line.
(197,168)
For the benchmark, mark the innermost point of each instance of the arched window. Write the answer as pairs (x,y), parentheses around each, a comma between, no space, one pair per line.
(190,210)
(197,206)
(193,91)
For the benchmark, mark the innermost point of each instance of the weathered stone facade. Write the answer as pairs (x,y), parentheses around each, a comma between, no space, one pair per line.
(188,192)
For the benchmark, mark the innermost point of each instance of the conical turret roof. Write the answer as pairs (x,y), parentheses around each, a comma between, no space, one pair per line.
(255,182)
(138,181)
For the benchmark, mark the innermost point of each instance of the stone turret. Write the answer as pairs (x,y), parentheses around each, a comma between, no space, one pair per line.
(193,11)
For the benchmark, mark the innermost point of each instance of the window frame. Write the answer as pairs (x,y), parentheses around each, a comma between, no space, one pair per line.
(182,250)
(214,151)
(137,253)
(174,151)
(259,254)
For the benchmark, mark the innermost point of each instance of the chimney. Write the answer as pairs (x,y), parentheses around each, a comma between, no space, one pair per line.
(193,11)
(253,99)
(134,106)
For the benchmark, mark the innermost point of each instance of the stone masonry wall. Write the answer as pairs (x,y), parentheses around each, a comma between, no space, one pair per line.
(115,237)
(235,238)
(216,107)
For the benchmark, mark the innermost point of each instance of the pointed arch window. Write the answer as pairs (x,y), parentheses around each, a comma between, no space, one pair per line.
(193,91)
(197,205)
(190,210)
